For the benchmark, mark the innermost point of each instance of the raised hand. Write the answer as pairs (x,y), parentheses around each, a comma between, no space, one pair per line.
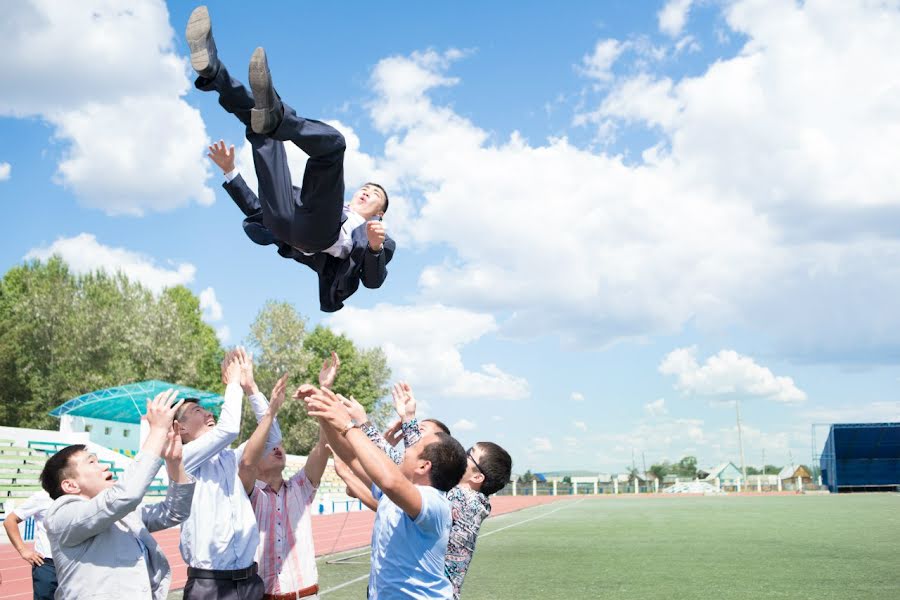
(276,400)
(375,233)
(231,368)
(328,408)
(404,401)
(173,449)
(172,453)
(224,158)
(245,359)
(161,411)
(357,411)
(304,392)
(329,370)
(394,433)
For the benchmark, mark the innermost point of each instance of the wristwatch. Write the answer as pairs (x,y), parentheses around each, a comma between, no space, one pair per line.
(350,425)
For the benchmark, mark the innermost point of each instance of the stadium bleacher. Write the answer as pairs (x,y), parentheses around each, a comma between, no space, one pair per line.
(20,469)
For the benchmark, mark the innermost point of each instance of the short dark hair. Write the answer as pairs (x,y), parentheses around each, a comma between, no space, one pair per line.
(448,461)
(383,191)
(496,465)
(57,468)
(439,424)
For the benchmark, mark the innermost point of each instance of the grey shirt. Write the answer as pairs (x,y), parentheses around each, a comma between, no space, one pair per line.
(102,547)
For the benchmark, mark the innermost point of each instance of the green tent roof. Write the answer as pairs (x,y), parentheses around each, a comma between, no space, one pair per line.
(126,403)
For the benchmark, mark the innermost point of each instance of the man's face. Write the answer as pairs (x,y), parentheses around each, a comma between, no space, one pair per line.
(411,466)
(274,460)
(429,428)
(367,202)
(473,473)
(195,421)
(88,476)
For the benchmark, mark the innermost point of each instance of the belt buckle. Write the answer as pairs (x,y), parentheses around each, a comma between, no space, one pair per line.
(241,575)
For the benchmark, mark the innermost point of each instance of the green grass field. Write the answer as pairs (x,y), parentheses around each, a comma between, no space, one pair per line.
(793,547)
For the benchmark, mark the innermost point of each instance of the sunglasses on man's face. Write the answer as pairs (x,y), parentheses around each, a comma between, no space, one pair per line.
(474,462)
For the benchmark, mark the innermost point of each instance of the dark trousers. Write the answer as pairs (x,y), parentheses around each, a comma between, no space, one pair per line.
(43,580)
(251,588)
(308,218)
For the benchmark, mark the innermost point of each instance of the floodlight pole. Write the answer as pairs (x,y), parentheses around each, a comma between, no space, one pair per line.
(737,405)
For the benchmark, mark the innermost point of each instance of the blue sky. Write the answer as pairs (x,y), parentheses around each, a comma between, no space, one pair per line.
(614,219)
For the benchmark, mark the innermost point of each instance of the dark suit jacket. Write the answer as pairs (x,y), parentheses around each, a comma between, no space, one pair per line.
(339,278)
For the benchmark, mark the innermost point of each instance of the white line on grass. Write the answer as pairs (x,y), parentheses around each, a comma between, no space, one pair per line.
(540,516)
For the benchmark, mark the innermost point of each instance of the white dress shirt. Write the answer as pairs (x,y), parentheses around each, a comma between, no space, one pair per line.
(341,248)
(36,506)
(221,533)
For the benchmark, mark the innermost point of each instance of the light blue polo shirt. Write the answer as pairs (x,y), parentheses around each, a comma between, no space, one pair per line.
(408,555)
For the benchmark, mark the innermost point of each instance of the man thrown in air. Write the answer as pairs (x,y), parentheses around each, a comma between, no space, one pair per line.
(343,244)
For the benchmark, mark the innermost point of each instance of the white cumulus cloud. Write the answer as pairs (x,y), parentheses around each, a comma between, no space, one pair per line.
(673,16)
(580,425)
(5,170)
(753,203)
(423,346)
(598,64)
(728,374)
(656,408)
(577,397)
(105,75)
(84,254)
(209,304)
(464,425)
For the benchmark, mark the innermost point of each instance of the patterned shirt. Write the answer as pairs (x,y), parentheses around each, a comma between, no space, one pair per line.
(468,509)
(411,435)
(286,555)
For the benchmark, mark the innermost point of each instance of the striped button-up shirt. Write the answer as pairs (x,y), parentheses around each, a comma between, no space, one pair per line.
(286,556)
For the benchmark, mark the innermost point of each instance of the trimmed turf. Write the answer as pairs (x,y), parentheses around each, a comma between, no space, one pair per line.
(793,547)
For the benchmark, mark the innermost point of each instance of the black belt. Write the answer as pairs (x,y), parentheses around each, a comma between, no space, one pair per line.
(236,575)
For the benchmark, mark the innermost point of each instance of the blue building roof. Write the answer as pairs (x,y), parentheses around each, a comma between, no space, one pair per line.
(127,403)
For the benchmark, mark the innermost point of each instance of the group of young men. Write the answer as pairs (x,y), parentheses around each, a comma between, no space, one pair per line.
(246,532)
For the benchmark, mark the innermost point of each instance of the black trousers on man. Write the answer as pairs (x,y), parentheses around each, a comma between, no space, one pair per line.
(309,217)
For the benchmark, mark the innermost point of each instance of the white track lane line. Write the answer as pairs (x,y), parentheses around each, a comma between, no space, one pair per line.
(540,516)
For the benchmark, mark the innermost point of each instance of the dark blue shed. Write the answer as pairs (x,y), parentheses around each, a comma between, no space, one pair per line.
(861,457)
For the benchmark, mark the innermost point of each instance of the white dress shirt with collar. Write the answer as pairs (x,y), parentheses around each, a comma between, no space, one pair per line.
(221,533)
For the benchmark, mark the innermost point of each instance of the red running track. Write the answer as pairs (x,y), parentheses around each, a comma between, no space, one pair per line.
(331,533)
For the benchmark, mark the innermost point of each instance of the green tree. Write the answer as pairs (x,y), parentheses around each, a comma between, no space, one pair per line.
(660,470)
(528,477)
(281,343)
(62,335)
(687,467)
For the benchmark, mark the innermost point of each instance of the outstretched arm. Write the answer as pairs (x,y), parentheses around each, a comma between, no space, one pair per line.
(355,486)
(177,505)
(228,426)
(405,405)
(332,413)
(234,184)
(75,522)
(358,414)
(248,466)
(257,399)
